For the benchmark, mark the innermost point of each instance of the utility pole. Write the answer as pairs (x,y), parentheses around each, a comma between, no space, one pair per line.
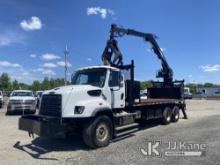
(66,52)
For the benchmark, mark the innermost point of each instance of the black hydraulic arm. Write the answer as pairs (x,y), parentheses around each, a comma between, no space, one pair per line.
(166,72)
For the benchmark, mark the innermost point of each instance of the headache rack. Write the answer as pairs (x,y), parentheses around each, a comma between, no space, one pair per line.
(51,105)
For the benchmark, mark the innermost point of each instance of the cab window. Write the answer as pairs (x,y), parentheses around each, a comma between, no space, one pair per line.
(114,78)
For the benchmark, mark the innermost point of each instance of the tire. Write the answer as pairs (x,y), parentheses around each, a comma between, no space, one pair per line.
(167,114)
(98,132)
(176,114)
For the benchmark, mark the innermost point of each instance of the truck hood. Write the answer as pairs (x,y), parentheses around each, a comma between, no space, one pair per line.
(76,95)
(22,98)
(71,88)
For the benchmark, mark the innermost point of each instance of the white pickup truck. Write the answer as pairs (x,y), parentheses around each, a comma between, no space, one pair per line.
(1,99)
(22,101)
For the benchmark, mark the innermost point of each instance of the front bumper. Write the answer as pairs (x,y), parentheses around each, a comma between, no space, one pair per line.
(45,126)
(21,107)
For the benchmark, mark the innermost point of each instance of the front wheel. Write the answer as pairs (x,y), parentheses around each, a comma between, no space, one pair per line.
(98,132)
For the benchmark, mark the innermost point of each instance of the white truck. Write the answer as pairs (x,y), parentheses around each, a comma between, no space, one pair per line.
(1,99)
(21,101)
(97,103)
(187,93)
(101,104)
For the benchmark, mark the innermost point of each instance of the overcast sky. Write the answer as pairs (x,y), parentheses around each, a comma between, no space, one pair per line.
(33,35)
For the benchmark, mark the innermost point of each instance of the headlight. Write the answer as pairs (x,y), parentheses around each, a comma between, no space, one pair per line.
(79,109)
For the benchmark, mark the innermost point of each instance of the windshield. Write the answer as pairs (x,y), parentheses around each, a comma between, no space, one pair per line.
(95,77)
(22,94)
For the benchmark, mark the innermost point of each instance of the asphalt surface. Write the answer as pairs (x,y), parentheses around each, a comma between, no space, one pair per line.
(202,127)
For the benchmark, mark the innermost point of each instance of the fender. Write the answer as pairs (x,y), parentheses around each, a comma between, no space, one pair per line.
(94,113)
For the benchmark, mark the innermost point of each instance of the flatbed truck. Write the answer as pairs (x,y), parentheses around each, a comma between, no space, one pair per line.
(102,104)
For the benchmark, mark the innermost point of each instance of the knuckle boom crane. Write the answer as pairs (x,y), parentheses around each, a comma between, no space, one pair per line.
(166,89)
(112,48)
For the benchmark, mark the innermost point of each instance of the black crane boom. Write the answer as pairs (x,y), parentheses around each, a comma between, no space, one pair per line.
(166,72)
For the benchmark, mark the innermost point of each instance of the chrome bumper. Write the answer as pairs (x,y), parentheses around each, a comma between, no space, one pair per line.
(21,107)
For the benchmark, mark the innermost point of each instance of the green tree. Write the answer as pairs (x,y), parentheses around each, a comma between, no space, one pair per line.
(15,85)
(36,85)
(5,83)
(146,84)
(208,85)
(24,86)
(192,87)
(46,84)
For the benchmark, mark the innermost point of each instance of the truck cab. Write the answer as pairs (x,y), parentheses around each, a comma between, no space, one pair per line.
(93,89)
(109,83)
(187,93)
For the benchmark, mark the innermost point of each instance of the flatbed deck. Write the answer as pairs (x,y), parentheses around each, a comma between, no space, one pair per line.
(145,102)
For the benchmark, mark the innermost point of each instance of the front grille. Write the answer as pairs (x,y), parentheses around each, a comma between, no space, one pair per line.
(29,102)
(26,102)
(51,105)
(16,101)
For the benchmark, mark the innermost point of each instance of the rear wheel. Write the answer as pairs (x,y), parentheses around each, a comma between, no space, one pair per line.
(98,132)
(167,114)
(176,114)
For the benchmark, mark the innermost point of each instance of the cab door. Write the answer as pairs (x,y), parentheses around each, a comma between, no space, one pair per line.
(117,89)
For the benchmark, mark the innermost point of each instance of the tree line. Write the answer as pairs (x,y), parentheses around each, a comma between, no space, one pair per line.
(6,84)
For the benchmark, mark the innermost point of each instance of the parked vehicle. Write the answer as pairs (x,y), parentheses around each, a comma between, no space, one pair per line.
(1,99)
(187,93)
(101,104)
(143,96)
(22,101)
(38,95)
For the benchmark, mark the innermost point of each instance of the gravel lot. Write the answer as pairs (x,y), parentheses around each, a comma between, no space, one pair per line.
(203,126)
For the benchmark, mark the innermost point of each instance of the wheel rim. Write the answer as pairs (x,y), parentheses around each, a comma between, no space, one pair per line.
(176,114)
(102,132)
(168,117)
